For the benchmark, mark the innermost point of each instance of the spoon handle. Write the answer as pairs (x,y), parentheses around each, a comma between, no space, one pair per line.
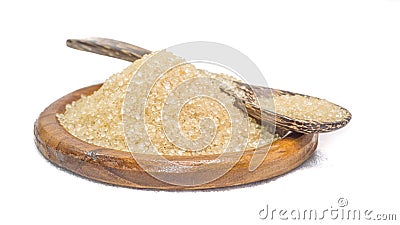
(109,47)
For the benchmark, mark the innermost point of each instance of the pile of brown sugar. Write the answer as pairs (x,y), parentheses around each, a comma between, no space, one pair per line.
(98,118)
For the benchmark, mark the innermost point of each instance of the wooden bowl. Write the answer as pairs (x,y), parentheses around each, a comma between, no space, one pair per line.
(120,168)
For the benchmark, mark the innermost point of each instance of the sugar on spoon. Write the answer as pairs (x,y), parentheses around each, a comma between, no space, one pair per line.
(293,112)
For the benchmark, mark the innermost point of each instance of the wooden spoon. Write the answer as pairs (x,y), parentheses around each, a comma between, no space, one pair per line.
(242,92)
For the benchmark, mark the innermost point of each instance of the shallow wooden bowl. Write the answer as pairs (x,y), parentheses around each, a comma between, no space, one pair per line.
(120,168)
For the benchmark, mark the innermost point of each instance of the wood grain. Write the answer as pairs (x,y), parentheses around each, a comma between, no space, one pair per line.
(109,47)
(120,168)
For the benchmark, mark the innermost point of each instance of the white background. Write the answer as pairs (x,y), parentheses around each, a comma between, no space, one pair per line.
(346,51)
